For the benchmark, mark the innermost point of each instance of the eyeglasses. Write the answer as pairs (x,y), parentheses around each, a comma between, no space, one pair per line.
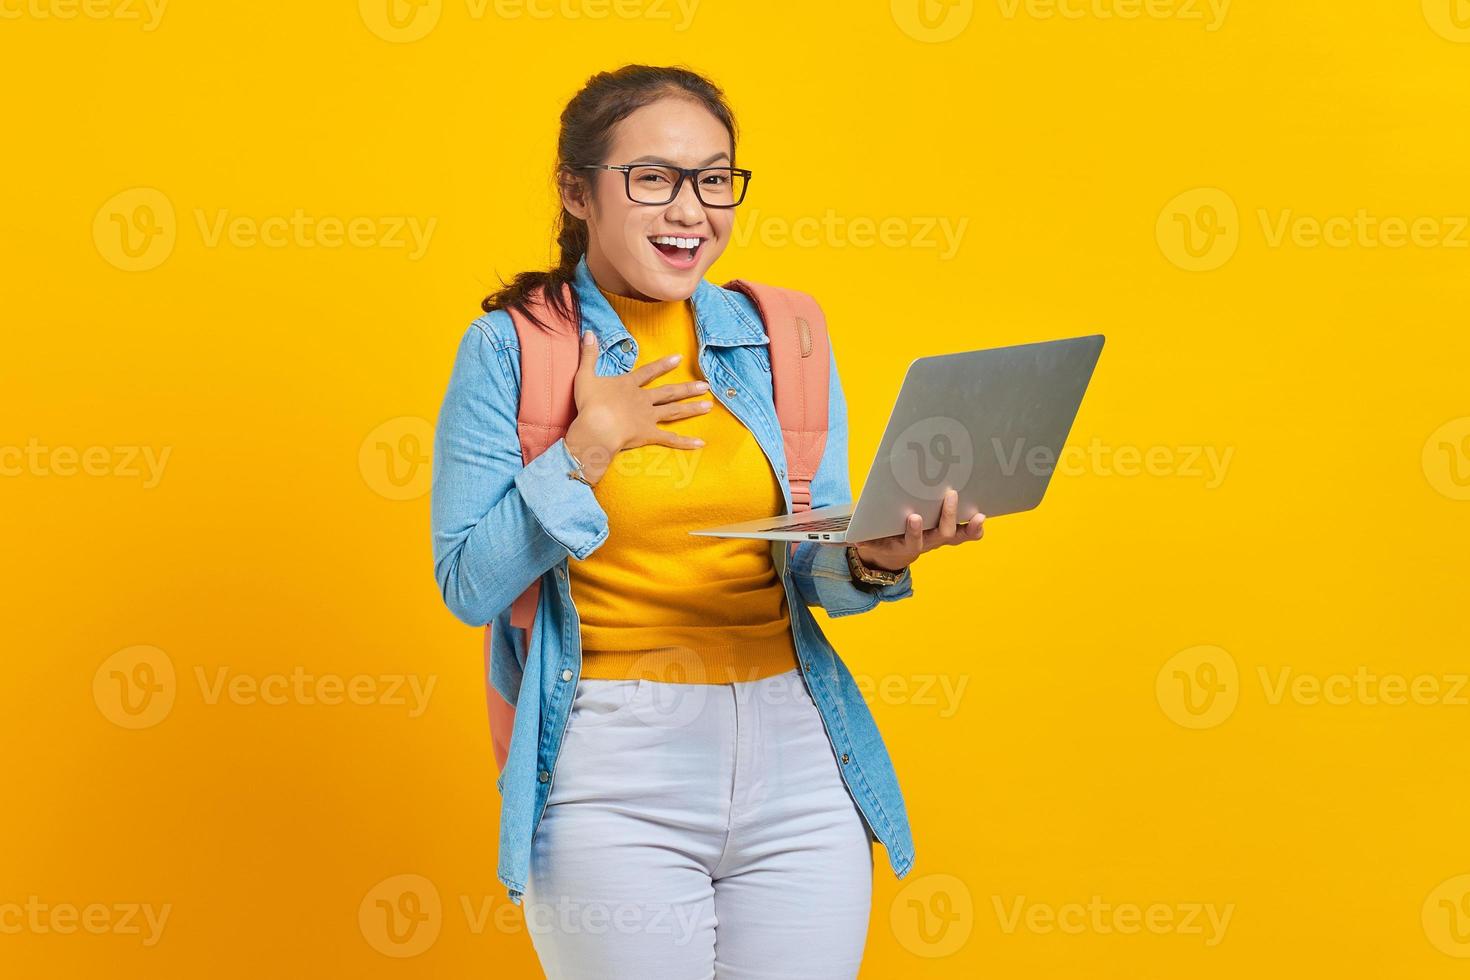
(646,183)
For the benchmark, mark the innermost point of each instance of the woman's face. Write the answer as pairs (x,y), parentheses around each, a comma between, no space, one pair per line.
(621,253)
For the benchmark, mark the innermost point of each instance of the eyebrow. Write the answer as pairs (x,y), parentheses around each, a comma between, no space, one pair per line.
(649,158)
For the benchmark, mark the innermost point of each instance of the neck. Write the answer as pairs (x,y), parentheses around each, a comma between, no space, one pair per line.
(656,319)
(606,275)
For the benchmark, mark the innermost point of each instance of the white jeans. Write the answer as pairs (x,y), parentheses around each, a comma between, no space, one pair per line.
(698,831)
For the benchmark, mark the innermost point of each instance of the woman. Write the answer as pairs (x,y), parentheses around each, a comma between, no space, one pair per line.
(693,782)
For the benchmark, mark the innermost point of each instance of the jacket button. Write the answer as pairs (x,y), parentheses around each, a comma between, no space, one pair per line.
(844,758)
(561,572)
(626,345)
(545,776)
(731,392)
(566,675)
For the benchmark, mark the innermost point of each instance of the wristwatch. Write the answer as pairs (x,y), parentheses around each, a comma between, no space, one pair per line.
(862,575)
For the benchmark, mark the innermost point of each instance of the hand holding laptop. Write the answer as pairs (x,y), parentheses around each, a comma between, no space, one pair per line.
(899,550)
(988,425)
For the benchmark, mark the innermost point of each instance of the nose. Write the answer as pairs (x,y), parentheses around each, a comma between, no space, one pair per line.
(686,204)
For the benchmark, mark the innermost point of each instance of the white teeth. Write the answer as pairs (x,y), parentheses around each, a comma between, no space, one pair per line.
(676,242)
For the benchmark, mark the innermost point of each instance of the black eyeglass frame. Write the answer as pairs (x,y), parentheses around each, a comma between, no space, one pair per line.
(684,172)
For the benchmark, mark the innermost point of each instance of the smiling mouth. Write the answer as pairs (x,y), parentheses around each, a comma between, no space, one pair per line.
(677,250)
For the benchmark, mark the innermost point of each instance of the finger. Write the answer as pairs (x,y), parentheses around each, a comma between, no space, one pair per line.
(682,410)
(645,373)
(913,534)
(975,529)
(587,356)
(675,441)
(670,393)
(947,514)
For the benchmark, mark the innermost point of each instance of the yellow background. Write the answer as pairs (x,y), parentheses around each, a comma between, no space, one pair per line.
(1076,762)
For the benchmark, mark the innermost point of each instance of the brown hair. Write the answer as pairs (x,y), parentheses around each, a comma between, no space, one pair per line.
(586,132)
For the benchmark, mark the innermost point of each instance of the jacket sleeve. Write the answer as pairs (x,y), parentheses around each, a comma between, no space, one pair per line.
(499,525)
(820,570)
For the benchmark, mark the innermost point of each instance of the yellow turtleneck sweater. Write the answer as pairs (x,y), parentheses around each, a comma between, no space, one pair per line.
(655,600)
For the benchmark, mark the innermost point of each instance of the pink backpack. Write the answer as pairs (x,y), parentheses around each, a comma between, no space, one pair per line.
(800,366)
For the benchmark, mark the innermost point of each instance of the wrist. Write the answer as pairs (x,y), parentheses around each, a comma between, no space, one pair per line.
(869,577)
(593,458)
(875,563)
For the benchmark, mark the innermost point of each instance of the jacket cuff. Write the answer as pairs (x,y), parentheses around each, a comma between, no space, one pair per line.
(566,508)
(825,566)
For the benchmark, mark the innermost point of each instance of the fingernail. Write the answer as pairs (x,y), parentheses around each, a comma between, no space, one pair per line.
(589,337)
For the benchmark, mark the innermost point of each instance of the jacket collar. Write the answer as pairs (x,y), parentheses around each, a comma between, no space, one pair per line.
(722,318)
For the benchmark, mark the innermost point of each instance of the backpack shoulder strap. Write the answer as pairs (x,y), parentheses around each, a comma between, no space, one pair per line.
(800,372)
(549,359)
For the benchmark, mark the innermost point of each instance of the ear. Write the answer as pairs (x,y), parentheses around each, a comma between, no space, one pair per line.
(575,195)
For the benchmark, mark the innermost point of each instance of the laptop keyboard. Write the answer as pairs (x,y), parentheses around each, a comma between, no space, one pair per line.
(825,524)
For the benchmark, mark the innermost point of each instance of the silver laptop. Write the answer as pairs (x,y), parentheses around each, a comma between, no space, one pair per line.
(988,423)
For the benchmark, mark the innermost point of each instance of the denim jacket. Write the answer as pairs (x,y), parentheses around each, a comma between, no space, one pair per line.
(499,524)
